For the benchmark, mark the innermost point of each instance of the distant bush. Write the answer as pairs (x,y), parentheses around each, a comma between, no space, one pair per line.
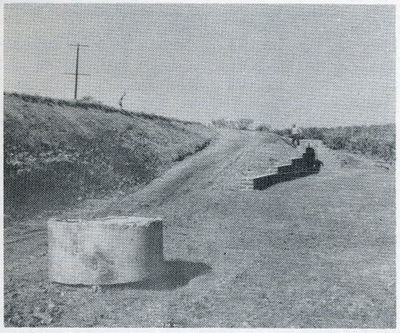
(244,123)
(263,128)
(240,124)
(282,132)
(316,133)
(86,99)
(222,123)
(377,141)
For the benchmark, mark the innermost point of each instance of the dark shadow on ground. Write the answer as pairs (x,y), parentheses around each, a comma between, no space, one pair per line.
(177,273)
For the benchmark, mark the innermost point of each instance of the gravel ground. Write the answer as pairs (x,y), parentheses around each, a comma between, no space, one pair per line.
(317,251)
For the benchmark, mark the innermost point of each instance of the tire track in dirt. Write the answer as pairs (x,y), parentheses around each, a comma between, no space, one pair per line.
(312,252)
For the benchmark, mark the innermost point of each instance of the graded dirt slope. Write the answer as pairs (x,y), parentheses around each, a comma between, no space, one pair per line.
(57,149)
(317,251)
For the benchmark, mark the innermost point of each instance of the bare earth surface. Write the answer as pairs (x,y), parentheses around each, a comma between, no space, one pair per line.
(317,251)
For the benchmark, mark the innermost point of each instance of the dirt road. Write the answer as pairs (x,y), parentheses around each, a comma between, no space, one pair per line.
(317,251)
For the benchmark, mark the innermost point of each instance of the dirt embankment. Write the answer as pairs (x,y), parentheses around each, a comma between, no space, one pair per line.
(58,151)
(317,251)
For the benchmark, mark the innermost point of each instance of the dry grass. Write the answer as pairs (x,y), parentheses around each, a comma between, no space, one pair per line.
(95,105)
(58,151)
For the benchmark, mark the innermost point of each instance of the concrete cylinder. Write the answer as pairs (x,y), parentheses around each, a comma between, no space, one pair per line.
(105,250)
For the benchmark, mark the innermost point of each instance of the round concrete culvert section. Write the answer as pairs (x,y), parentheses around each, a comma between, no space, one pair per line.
(105,250)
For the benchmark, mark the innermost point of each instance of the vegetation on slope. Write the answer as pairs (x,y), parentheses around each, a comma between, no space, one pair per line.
(377,141)
(57,151)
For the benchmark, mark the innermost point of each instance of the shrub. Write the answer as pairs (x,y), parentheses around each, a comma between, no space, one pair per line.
(282,132)
(375,140)
(244,123)
(240,124)
(263,128)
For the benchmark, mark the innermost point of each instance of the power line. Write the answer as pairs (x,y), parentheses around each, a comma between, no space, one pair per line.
(77,68)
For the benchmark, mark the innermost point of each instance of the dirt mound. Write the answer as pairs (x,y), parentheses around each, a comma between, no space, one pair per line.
(56,151)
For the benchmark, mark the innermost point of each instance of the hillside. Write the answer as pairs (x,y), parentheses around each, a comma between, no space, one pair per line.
(58,151)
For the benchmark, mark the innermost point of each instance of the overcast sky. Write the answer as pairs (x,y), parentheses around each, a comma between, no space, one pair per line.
(315,65)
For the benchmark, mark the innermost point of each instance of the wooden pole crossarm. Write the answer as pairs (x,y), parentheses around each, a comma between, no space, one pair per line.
(77,74)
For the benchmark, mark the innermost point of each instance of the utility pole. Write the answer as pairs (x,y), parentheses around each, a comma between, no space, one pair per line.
(77,68)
